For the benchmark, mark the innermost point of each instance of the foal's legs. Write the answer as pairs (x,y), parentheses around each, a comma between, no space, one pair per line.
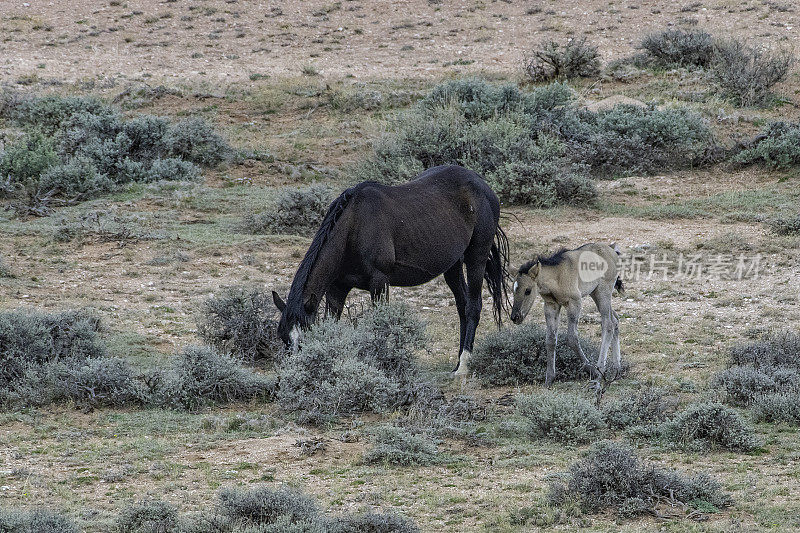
(551,312)
(615,344)
(455,280)
(602,298)
(573,314)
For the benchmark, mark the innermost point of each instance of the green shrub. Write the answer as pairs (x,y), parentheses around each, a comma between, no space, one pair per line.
(149,516)
(764,375)
(48,358)
(51,113)
(371,522)
(264,506)
(296,210)
(574,59)
(746,73)
(200,376)
(79,147)
(611,476)
(627,139)
(778,147)
(560,417)
(743,384)
(778,349)
(680,47)
(786,226)
(22,164)
(241,322)
(778,407)
(342,369)
(534,147)
(706,425)
(518,355)
(32,339)
(647,407)
(194,139)
(398,446)
(494,130)
(35,521)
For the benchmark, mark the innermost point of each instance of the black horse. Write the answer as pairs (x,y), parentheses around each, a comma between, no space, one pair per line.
(375,235)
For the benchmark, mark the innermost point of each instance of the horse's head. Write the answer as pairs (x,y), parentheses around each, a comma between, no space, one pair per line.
(294,319)
(524,291)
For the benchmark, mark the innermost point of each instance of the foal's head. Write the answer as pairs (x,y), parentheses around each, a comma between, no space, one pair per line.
(524,291)
(294,319)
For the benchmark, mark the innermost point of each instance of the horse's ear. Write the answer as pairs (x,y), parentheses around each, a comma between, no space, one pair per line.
(280,304)
(534,271)
(311,303)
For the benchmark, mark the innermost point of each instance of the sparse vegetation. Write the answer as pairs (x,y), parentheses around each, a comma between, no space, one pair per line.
(553,61)
(611,476)
(398,446)
(297,210)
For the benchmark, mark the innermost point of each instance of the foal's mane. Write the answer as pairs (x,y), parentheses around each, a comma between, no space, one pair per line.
(294,301)
(552,260)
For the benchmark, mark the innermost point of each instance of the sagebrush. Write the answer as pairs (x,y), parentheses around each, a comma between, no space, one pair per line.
(748,74)
(518,355)
(296,210)
(344,368)
(551,61)
(75,148)
(241,321)
(535,147)
(680,47)
(560,417)
(611,476)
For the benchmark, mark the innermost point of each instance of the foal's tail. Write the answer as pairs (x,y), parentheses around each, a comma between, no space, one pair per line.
(496,275)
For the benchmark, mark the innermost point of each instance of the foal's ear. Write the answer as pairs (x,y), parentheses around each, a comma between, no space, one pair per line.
(280,304)
(533,272)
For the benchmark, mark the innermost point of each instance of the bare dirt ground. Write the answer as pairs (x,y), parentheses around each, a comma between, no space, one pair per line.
(261,72)
(222,41)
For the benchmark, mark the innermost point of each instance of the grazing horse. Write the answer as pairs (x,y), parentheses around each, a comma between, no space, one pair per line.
(563,280)
(375,236)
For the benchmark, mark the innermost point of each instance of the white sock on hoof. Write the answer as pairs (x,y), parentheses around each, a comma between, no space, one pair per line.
(463,363)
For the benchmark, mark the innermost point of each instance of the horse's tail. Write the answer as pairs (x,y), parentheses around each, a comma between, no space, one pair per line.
(618,284)
(496,274)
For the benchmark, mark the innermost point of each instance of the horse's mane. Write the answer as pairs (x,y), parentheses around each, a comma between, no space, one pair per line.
(294,301)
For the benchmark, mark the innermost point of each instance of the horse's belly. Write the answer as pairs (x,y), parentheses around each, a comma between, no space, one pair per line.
(404,276)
